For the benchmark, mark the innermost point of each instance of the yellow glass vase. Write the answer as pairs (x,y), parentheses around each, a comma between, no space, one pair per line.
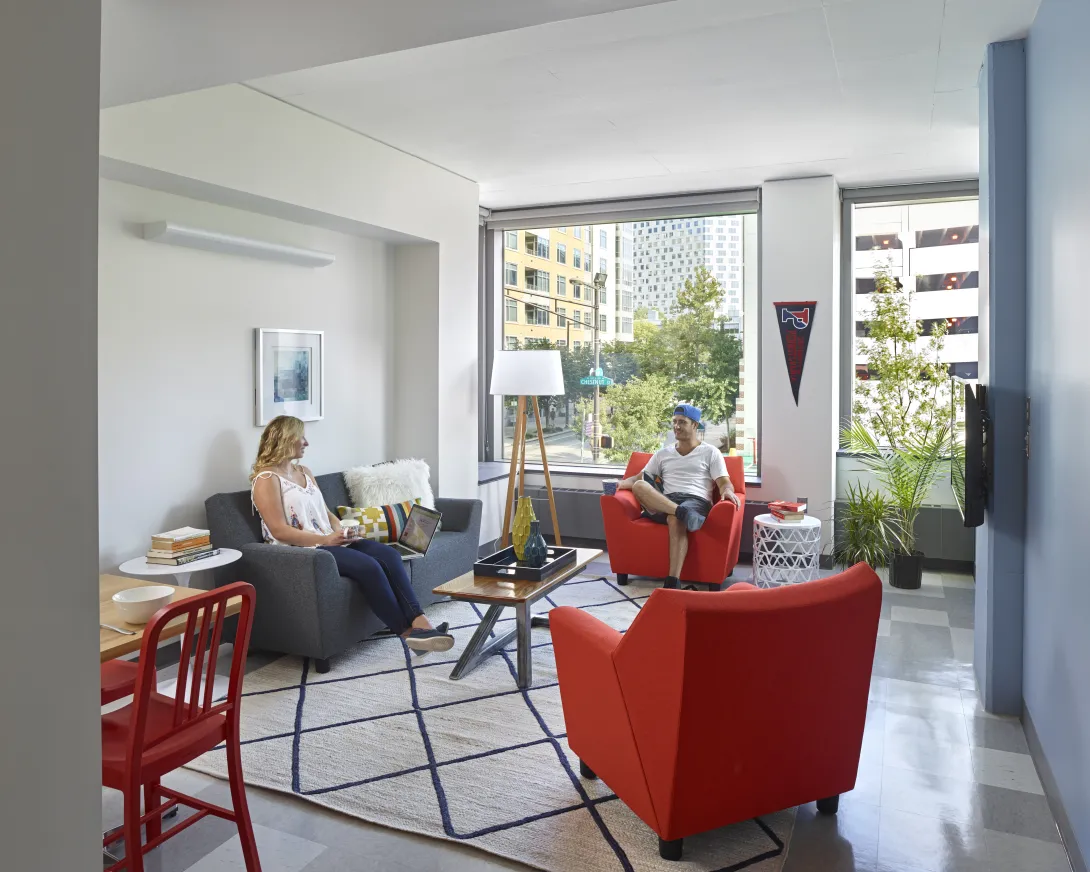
(520,532)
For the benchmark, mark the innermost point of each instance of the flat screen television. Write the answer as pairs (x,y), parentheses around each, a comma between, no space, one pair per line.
(977,455)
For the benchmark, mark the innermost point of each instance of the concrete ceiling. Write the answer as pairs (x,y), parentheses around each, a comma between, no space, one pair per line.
(152,48)
(686,95)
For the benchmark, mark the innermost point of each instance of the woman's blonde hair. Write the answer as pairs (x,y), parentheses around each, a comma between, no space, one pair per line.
(277,443)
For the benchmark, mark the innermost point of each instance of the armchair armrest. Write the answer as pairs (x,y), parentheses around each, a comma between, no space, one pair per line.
(590,637)
(720,521)
(595,714)
(459,516)
(289,581)
(622,504)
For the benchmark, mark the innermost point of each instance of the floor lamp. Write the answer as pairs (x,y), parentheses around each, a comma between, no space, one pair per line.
(525,374)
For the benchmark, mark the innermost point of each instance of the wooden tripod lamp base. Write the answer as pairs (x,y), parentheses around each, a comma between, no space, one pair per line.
(525,374)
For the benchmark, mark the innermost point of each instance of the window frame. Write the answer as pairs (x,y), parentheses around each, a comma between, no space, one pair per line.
(578,218)
(893,195)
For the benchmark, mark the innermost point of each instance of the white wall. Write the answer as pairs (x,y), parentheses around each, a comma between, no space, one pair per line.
(234,142)
(800,250)
(176,371)
(416,313)
(49,729)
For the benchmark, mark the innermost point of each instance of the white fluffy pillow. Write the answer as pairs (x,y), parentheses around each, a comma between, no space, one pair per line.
(390,483)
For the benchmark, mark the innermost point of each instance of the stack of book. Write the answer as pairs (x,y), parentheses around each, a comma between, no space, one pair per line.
(181,546)
(785,511)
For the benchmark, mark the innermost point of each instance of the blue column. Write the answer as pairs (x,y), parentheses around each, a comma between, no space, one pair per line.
(1000,542)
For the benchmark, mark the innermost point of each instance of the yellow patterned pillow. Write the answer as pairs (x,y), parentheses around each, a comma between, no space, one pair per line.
(381,523)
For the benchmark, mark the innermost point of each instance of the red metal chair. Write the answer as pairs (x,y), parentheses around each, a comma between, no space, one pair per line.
(716,709)
(156,734)
(117,679)
(638,546)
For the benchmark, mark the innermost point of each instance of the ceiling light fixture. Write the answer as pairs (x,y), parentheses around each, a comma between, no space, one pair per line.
(211,240)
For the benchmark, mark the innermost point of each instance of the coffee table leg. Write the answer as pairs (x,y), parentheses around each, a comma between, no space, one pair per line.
(522,627)
(480,646)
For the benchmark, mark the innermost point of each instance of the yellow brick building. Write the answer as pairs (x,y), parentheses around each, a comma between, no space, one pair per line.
(540,300)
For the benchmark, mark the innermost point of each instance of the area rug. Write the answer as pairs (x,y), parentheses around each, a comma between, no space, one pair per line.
(387,737)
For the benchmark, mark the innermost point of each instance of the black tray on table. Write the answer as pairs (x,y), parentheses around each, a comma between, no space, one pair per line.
(505,566)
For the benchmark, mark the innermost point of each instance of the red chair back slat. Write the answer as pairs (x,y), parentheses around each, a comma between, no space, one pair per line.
(204,616)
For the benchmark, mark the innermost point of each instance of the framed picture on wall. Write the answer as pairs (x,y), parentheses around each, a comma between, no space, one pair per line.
(289,374)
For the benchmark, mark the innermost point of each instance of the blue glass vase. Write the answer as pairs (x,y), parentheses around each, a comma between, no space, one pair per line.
(535,551)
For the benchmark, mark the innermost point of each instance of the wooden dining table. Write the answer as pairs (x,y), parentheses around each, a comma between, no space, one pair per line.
(111,644)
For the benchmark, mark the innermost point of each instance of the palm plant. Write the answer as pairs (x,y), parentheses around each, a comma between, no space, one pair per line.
(907,473)
(867,531)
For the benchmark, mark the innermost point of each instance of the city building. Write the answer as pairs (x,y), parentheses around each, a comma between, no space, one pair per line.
(547,279)
(544,272)
(624,273)
(668,251)
(933,249)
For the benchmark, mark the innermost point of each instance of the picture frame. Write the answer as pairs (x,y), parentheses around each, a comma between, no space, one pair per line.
(289,374)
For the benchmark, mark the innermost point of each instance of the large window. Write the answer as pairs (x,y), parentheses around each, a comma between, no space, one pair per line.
(668,322)
(929,251)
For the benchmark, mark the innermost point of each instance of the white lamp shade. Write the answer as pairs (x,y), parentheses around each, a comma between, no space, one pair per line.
(527,373)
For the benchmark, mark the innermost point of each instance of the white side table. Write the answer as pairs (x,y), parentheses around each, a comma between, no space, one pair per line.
(785,552)
(140,566)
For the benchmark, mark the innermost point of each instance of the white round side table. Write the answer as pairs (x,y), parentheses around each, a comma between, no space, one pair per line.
(140,566)
(785,552)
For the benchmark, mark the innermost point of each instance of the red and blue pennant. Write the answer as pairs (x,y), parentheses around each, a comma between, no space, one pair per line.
(795,320)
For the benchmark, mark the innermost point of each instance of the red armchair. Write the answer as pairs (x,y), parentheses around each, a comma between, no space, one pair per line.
(638,546)
(782,674)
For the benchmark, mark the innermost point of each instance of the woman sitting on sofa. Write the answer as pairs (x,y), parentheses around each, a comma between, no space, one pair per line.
(293,512)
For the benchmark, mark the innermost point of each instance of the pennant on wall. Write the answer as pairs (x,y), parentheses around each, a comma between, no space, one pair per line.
(795,320)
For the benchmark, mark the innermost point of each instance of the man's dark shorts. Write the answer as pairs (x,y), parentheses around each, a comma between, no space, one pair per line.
(697,507)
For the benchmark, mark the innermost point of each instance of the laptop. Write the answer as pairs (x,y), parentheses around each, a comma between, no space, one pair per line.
(420,527)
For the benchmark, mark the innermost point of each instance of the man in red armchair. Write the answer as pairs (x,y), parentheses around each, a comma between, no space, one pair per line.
(688,470)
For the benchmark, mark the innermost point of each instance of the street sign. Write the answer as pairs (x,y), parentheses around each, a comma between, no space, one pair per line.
(600,380)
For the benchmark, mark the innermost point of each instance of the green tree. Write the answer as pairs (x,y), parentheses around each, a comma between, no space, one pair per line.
(907,393)
(639,410)
(693,349)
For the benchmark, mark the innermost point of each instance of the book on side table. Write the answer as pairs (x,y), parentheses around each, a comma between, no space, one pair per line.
(181,546)
(782,510)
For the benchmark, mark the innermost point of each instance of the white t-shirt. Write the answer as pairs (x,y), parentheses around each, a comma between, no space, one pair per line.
(694,473)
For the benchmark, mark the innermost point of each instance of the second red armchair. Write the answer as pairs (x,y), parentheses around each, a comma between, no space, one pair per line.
(638,546)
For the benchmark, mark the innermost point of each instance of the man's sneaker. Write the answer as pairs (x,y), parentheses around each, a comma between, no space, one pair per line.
(429,640)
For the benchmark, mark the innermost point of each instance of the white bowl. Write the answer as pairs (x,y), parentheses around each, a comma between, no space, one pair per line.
(137,605)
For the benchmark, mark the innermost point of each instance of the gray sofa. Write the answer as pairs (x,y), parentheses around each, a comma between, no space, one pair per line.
(303,606)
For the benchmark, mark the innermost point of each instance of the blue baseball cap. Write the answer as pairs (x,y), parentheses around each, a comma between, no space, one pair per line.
(689,411)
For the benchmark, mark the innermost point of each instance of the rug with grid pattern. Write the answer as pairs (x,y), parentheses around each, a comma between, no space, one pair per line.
(388,737)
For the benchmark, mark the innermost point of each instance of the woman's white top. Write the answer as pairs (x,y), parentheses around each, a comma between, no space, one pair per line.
(304,507)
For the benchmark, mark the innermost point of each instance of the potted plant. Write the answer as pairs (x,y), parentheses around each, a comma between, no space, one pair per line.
(900,428)
(866,531)
(907,474)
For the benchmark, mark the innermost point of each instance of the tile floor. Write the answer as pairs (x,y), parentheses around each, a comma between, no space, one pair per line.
(943,786)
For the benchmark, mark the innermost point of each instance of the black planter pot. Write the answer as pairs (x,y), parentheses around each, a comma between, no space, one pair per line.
(906,571)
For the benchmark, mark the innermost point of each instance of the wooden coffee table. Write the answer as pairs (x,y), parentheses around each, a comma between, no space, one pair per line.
(498,594)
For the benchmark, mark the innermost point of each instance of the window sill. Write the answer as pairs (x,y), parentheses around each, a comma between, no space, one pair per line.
(492,473)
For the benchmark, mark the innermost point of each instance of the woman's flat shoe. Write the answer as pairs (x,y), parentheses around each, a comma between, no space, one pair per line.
(429,640)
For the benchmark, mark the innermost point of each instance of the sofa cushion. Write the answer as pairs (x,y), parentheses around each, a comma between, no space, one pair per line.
(380,523)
